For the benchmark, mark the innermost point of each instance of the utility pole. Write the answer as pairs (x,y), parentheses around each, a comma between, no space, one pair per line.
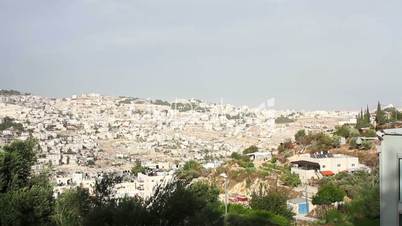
(307,206)
(226,196)
(306,190)
(224,176)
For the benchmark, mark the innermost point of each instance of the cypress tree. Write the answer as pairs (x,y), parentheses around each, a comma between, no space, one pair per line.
(367,117)
(380,115)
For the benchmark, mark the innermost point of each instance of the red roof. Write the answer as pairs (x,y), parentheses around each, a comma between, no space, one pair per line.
(238,198)
(327,173)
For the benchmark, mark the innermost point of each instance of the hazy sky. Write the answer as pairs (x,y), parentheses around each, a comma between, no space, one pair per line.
(318,54)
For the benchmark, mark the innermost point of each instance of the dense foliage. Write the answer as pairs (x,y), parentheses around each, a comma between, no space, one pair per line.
(8,123)
(317,141)
(138,168)
(27,199)
(283,120)
(242,160)
(363,119)
(290,179)
(191,169)
(273,201)
(346,131)
(10,92)
(250,149)
(243,216)
(363,189)
(388,115)
(328,194)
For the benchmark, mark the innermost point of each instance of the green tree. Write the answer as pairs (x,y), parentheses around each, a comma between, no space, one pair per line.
(191,169)
(138,168)
(283,120)
(242,160)
(242,216)
(343,131)
(328,194)
(369,133)
(273,202)
(367,116)
(394,114)
(300,136)
(16,161)
(180,204)
(119,212)
(363,189)
(290,179)
(209,212)
(72,207)
(25,199)
(380,116)
(250,149)
(31,205)
(103,191)
(287,145)
(363,119)
(322,141)
(8,123)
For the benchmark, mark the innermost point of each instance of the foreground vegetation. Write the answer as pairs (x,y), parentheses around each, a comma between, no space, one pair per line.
(8,123)
(362,205)
(26,198)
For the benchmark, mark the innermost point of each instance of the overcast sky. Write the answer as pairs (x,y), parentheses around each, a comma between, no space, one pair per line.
(318,54)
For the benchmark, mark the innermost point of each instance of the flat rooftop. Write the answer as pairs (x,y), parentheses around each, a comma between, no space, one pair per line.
(393,132)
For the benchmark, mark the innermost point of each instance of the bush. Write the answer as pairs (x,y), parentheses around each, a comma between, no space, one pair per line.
(250,149)
(346,131)
(191,169)
(334,216)
(273,202)
(364,145)
(364,209)
(369,133)
(25,199)
(283,120)
(72,207)
(138,168)
(290,179)
(328,194)
(287,145)
(242,160)
(323,142)
(300,137)
(243,216)
(8,123)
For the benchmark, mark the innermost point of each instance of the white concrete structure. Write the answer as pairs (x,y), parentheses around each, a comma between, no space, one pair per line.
(260,156)
(146,185)
(306,174)
(309,166)
(330,162)
(390,178)
(300,206)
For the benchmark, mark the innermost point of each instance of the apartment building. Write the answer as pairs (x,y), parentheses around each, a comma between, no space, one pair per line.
(316,165)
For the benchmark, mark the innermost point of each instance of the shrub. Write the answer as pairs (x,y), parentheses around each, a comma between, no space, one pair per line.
(273,202)
(250,149)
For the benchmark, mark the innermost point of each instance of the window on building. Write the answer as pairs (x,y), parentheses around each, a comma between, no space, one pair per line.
(353,165)
(339,165)
(323,166)
(400,179)
(400,219)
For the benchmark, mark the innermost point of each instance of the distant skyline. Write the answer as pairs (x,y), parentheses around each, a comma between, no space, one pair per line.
(306,54)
